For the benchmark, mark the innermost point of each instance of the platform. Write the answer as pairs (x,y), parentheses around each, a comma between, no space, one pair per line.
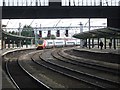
(97,50)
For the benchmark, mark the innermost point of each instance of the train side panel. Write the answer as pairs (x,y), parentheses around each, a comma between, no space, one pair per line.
(77,42)
(59,43)
(49,43)
(70,43)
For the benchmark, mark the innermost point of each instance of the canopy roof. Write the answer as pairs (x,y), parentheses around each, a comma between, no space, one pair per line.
(99,33)
(9,36)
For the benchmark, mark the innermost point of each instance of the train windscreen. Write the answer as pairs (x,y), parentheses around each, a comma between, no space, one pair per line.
(40,42)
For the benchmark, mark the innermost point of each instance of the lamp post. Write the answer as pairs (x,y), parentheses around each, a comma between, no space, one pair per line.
(89,30)
(36,35)
(89,23)
(1,40)
(81,30)
(17,3)
(100,2)
(19,29)
(40,32)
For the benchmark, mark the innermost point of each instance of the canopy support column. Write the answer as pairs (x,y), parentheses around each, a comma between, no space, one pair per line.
(105,43)
(12,44)
(20,43)
(31,42)
(8,44)
(89,43)
(114,43)
(92,42)
(3,44)
(98,42)
(26,43)
(86,42)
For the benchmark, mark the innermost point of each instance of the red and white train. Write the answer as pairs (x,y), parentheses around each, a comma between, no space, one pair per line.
(57,43)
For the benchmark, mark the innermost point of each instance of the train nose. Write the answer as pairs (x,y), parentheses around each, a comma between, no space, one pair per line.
(38,48)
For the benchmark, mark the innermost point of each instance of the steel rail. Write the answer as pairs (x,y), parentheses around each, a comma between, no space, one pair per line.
(46,87)
(82,73)
(91,65)
(9,73)
(86,66)
(67,74)
(10,76)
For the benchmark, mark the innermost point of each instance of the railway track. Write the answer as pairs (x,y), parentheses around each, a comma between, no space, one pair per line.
(89,67)
(20,77)
(50,70)
(70,81)
(49,77)
(89,64)
(85,77)
(72,73)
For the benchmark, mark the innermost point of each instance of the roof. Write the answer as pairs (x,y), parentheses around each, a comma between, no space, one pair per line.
(99,33)
(15,37)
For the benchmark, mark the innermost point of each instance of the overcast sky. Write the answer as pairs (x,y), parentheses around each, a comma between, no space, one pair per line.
(14,23)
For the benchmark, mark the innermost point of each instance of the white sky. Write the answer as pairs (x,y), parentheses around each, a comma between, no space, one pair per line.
(14,23)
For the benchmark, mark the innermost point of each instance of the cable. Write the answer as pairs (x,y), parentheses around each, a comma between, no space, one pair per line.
(58,23)
(7,22)
(31,22)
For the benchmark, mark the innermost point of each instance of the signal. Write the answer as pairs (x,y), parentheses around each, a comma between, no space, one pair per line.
(49,33)
(40,33)
(66,34)
(58,33)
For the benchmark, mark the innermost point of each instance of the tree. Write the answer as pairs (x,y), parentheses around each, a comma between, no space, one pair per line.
(27,31)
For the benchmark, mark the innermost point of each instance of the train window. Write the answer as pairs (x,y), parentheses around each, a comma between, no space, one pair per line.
(50,43)
(70,43)
(58,42)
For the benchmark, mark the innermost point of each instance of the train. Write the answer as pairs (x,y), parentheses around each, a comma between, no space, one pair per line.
(42,44)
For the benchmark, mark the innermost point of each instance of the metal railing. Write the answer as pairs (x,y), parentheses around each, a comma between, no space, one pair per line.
(63,2)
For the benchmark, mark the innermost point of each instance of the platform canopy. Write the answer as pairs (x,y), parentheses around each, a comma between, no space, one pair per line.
(99,33)
(12,37)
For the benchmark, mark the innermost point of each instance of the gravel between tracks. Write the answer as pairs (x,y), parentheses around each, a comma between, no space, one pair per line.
(49,77)
(103,74)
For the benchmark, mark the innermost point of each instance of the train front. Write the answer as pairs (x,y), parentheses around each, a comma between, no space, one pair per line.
(41,44)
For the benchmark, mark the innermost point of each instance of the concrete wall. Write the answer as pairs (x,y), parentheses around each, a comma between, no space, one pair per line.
(0,34)
(0,50)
